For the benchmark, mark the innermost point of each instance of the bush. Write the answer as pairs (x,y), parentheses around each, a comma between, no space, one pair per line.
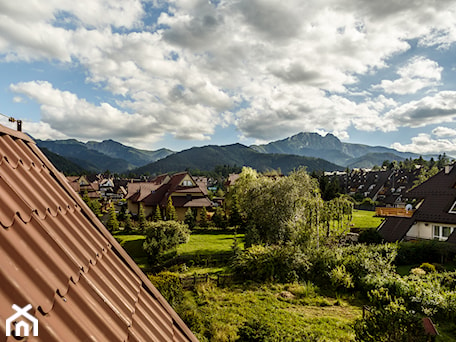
(416,252)
(340,278)
(169,286)
(390,322)
(271,263)
(370,236)
(163,236)
(428,268)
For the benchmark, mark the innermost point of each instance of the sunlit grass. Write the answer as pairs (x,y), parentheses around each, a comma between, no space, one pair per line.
(365,219)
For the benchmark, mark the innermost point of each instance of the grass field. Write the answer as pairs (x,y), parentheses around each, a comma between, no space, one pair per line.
(364,219)
(282,312)
(209,242)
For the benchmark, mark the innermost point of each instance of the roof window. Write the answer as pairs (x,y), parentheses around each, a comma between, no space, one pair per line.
(453,208)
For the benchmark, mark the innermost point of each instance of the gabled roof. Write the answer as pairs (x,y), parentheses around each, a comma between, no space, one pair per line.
(57,256)
(155,193)
(438,194)
(394,228)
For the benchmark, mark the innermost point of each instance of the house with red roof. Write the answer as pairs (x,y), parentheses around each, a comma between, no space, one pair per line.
(60,267)
(184,191)
(432,215)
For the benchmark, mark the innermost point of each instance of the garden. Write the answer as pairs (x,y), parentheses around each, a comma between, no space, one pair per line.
(293,280)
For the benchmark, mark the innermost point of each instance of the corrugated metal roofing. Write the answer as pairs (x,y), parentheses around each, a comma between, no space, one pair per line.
(57,256)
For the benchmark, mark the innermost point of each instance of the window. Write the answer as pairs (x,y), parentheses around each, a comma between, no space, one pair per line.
(453,209)
(187,183)
(442,232)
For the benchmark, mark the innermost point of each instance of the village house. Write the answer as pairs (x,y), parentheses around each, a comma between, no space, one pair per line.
(63,276)
(386,187)
(184,191)
(432,215)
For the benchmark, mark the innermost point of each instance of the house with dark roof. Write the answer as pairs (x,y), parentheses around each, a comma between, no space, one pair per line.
(59,263)
(433,215)
(184,191)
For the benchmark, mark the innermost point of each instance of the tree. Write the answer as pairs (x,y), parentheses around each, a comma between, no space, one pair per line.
(203,218)
(219,218)
(157,214)
(170,210)
(164,236)
(235,218)
(425,174)
(142,221)
(189,218)
(278,210)
(128,227)
(112,224)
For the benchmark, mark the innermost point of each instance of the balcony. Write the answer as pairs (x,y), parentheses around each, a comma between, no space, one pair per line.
(397,212)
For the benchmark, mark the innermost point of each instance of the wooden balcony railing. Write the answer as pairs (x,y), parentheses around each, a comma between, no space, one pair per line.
(398,212)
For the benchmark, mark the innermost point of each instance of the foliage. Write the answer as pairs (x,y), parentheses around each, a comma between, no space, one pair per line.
(128,226)
(271,263)
(203,218)
(163,236)
(390,322)
(189,218)
(219,219)
(112,224)
(169,285)
(170,210)
(235,217)
(288,209)
(340,278)
(94,204)
(370,236)
(425,174)
(427,267)
(156,216)
(142,221)
(416,252)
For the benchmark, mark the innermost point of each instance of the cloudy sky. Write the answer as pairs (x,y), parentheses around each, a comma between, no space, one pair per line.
(184,73)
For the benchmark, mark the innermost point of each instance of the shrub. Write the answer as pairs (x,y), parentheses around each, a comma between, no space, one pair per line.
(370,236)
(169,285)
(415,252)
(340,278)
(163,236)
(428,268)
(271,263)
(390,322)
(417,271)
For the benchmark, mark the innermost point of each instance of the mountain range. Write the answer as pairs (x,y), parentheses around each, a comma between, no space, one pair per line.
(312,150)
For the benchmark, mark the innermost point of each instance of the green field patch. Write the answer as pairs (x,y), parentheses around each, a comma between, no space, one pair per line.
(210,242)
(218,314)
(365,219)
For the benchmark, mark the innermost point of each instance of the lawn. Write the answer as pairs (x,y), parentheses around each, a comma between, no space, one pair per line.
(210,242)
(280,312)
(365,219)
(203,245)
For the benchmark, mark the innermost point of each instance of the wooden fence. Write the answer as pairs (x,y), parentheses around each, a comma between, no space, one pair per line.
(218,279)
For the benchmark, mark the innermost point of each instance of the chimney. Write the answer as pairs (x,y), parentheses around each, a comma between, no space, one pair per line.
(448,169)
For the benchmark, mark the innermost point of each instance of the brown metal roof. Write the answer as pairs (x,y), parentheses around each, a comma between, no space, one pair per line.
(57,256)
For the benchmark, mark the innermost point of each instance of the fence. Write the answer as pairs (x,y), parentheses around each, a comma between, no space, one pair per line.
(218,279)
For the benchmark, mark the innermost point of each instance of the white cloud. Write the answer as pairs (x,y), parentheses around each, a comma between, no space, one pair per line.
(419,73)
(435,109)
(425,144)
(292,62)
(444,132)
